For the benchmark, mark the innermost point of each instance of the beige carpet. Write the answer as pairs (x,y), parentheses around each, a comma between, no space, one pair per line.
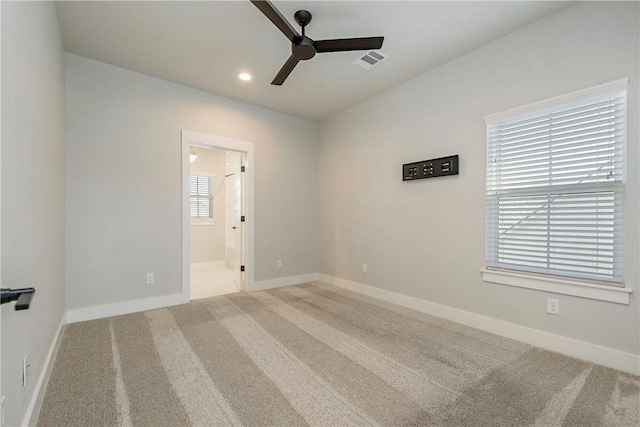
(318,355)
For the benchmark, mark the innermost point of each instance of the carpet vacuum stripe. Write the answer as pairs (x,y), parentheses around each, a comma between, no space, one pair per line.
(152,398)
(445,349)
(429,394)
(202,400)
(413,354)
(472,334)
(367,391)
(123,408)
(313,398)
(558,405)
(488,354)
(255,399)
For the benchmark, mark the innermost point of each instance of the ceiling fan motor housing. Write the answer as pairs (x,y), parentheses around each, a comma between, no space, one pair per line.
(304,48)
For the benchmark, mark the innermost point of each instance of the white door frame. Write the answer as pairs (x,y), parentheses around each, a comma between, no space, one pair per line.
(214,141)
(1,393)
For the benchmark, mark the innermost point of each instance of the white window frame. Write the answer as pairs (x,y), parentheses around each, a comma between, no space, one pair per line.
(558,284)
(204,221)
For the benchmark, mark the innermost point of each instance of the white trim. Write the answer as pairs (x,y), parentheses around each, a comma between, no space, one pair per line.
(202,222)
(206,265)
(282,281)
(620,84)
(124,307)
(559,286)
(33,410)
(605,356)
(190,138)
(134,306)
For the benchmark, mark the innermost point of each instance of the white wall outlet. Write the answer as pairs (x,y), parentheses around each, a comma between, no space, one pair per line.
(25,370)
(365,268)
(150,279)
(553,306)
(279,263)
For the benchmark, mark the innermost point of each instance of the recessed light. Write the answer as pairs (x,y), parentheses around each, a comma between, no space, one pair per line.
(244,76)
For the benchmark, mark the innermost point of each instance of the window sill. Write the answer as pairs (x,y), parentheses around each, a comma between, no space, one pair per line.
(559,286)
(201,222)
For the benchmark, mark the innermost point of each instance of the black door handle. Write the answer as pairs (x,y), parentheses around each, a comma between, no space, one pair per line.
(234,227)
(22,297)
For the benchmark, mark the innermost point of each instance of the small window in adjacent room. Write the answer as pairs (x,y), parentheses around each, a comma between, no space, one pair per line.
(555,187)
(201,204)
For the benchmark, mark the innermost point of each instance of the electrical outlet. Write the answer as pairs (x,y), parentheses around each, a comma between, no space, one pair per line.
(279,263)
(553,306)
(365,268)
(25,370)
(150,279)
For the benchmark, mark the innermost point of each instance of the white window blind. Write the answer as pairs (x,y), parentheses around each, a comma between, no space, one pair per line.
(201,196)
(555,189)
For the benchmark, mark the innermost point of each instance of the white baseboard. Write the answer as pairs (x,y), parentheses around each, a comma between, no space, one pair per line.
(605,356)
(124,307)
(207,265)
(282,281)
(33,410)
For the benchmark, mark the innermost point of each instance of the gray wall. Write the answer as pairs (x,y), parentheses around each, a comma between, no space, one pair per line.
(207,241)
(124,181)
(33,205)
(426,238)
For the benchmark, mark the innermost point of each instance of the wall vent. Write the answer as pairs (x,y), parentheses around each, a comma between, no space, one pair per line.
(370,59)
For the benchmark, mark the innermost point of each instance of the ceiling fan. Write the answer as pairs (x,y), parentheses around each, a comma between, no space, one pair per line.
(303,47)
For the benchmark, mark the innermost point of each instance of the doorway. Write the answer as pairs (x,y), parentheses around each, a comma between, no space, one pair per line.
(215,208)
(217,215)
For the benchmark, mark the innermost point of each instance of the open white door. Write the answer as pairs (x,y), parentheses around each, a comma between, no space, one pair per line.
(1,391)
(234,208)
(239,224)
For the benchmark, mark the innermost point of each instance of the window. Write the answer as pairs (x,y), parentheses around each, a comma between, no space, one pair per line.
(555,186)
(201,190)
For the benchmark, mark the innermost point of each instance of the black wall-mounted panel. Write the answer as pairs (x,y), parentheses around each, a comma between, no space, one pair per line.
(430,168)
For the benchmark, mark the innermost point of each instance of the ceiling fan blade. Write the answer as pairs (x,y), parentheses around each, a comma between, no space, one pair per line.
(343,45)
(276,17)
(286,69)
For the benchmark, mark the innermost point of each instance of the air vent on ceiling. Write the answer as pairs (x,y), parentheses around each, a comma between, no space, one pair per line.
(370,59)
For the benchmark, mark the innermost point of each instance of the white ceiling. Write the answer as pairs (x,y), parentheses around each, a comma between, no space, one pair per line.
(205,44)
